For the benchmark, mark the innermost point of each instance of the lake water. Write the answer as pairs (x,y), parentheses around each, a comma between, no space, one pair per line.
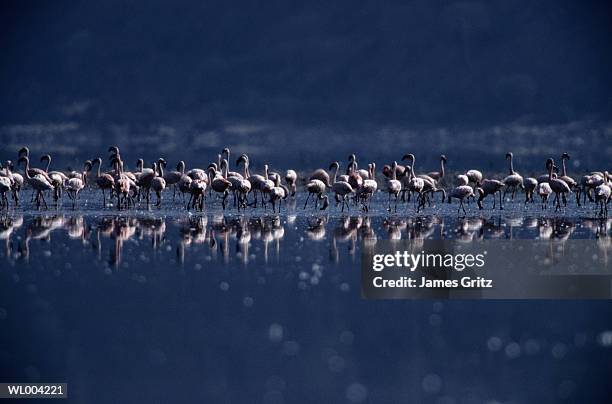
(161,305)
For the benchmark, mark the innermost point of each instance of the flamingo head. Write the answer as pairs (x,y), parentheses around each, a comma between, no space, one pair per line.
(509,155)
(23,159)
(333,165)
(549,162)
(443,158)
(241,159)
(162,162)
(565,156)
(45,157)
(387,171)
(113,149)
(24,151)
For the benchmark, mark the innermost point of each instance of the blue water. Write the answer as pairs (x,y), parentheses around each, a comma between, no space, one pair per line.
(164,306)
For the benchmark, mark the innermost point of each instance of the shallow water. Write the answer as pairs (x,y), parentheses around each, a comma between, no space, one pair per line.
(164,305)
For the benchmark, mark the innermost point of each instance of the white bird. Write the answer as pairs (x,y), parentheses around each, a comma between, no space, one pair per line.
(545,191)
(172,177)
(38,182)
(461,179)
(558,186)
(369,187)
(514,179)
(158,183)
(530,185)
(266,186)
(568,180)
(394,187)
(461,192)
(103,180)
(291,178)
(74,185)
(220,183)
(474,176)
(438,175)
(278,193)
(6,184)
(340,188)
(197,189)
(317,188)
(490,187)
(603,195)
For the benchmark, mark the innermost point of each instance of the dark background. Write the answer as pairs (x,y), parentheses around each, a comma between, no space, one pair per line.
(301,85)
(429,62)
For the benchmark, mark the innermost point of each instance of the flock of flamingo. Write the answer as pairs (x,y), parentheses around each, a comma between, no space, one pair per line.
(127,189)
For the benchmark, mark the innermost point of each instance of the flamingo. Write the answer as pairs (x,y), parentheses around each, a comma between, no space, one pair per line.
(123,184)
(291,178)
(461,192)
(220,184)
(369,187)
(544,190)
(490,187)
(530,185)
(184,185)
(38,182)
(461,179)
(6,184)
(16,180)
(514,179)
(278,193)
(144,176)
(158,183)
(317,188)
(197,189)
(603,193)
(75,185)
(172,177)
(474,176)
(568,180)
(438,175)
(559,187)
(255,180)
(321,175)
(341,189)
(394,187)
(103,180)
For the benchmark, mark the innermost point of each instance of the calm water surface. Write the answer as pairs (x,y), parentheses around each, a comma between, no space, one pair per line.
(162,305)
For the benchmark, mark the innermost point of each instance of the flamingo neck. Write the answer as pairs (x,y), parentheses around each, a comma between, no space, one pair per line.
(336,168)
(99,164)
(412,169)
(27,169)
(48,164)
(441,168)
(564,173)
(511,165)
(550,172)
